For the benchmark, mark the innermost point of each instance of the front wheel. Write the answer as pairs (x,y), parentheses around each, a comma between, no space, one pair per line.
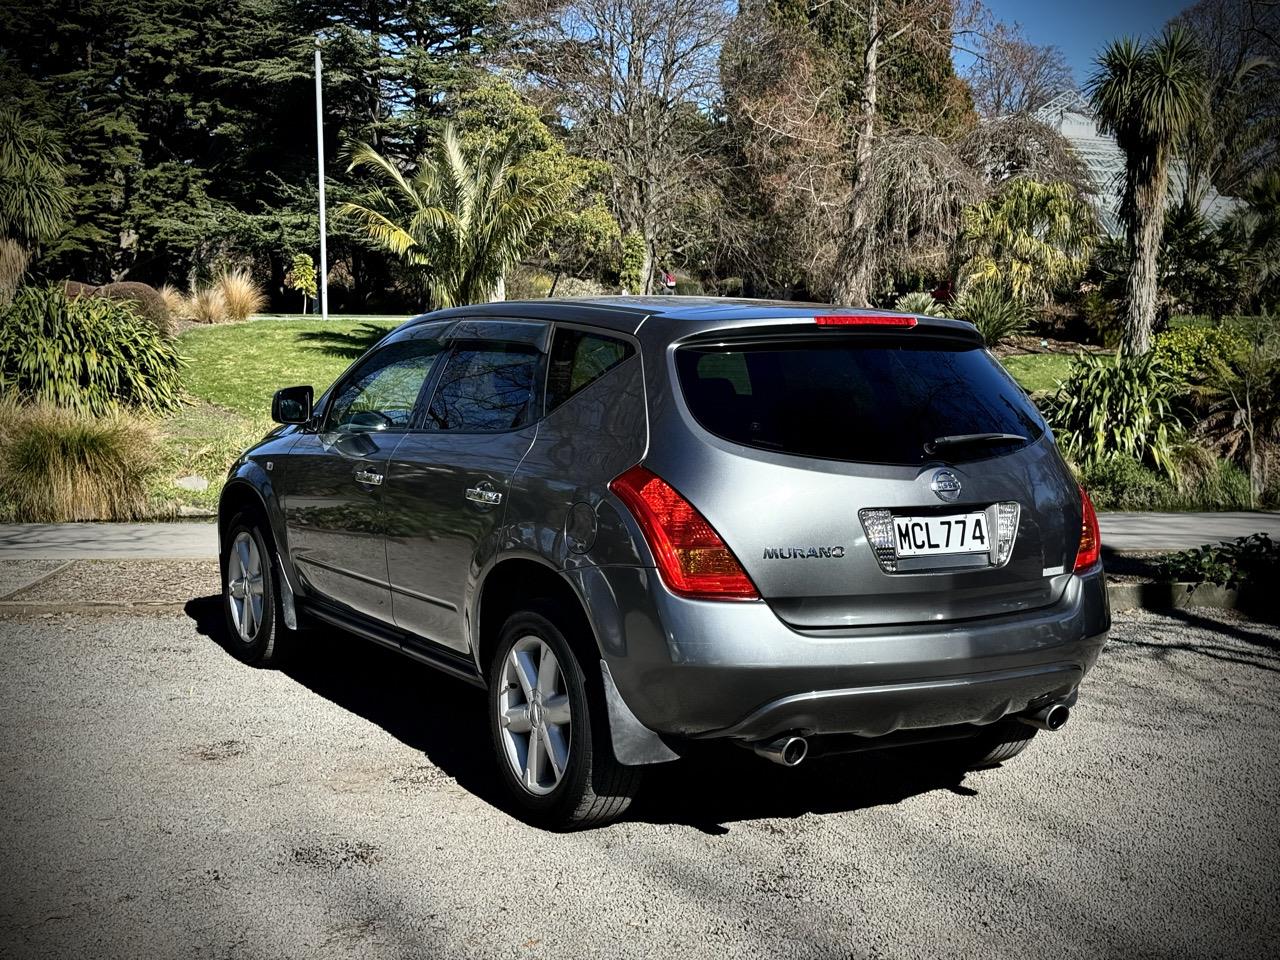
(549,730)
(251,596)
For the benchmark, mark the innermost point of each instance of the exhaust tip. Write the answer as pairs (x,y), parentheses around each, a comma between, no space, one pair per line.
(787,751)
(1056,717)
(1052,717)
(794,751)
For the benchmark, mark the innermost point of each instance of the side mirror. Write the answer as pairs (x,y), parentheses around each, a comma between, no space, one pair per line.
(292,405)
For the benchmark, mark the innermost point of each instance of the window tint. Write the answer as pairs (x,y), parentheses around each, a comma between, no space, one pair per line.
(578,359)
(382,392)
(871,401)
(485,388)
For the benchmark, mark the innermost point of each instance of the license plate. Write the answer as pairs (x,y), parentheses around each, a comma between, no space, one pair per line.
(930,536)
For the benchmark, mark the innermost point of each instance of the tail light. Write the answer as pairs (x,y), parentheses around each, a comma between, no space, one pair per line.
(1090,549)
(863,320)
(692,559)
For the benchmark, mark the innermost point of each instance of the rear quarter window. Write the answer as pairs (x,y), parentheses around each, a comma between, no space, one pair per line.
(863,399)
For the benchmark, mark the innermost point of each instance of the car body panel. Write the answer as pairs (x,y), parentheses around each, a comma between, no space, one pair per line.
(335,517)
(438,539)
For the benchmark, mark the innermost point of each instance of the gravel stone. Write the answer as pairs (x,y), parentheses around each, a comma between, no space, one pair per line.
(163,799)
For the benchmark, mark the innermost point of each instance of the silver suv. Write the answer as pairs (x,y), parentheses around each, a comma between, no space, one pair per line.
(640,523)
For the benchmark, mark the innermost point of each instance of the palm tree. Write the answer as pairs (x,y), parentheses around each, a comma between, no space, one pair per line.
(1255,227)
(1147,96)
(465,217)
(34,197)
(1031,238)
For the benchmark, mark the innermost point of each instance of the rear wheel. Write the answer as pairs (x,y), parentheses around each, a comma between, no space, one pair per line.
(1001,742)
(251,595)
(549,729)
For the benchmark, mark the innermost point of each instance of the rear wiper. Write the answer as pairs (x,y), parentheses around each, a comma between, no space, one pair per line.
(963,439)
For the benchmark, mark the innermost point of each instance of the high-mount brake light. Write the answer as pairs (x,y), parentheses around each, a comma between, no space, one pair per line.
(863,320)
(692,559)
(1090,549)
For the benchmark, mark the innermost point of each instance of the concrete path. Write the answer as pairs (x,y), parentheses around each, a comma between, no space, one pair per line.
(108,541)
(199,539)
(1180,531)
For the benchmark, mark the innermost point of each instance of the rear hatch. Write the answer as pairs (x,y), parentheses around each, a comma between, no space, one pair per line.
(873,476)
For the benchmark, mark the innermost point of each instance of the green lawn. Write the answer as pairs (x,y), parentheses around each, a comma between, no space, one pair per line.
(1038,371)
(240,365)
(232,371)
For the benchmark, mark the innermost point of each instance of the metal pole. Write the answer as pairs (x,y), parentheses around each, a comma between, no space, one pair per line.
(324,257)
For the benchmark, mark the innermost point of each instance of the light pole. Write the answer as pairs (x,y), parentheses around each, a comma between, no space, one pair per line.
(324,259)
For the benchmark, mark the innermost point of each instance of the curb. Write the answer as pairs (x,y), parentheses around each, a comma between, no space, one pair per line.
(1176,596)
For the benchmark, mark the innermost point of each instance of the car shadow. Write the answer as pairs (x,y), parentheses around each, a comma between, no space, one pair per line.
(445,719)
(349,344)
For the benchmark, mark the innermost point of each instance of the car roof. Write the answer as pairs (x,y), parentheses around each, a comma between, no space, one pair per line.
(627,313)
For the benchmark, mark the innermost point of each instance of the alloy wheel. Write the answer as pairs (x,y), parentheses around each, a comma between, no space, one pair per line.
(535,715)
(246,591)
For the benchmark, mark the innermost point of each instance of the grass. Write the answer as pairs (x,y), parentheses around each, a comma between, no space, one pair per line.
(1038,372)
(233,371)
(239,366)
(57,466)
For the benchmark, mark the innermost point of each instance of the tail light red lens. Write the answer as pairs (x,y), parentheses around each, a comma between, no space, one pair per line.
(863,320)
(692,559)
(1090,549)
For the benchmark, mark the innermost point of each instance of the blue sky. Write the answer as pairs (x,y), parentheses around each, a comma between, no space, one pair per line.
(1082,27)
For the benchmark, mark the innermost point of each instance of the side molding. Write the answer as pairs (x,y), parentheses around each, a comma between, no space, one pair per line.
(634,744)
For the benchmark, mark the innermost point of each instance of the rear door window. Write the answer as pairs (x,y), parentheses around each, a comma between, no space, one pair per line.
(867,400)
(485,387)
(578,359)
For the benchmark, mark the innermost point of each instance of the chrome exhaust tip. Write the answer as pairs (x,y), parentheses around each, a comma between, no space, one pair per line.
(1052,717)
(787,751)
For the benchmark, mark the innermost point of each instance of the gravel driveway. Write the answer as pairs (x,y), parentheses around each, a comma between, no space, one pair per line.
(163,800)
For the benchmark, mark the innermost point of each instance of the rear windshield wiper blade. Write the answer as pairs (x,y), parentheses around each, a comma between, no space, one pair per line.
(963,439)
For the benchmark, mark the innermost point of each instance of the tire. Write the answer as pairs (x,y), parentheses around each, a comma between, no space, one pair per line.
(587,786)
(1001,743)
(256,632)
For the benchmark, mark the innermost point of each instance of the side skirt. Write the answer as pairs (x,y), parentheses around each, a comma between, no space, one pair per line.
(446,661)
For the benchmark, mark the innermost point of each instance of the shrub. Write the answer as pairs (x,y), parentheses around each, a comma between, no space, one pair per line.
(1254,560)
(241,294)
(1119,482)
(176,301)
(147,303)
(74,289)
(14,260)
(58,466)
(1190,353)
(1118,404)
(919,302)
(91,354)
(207,305)
(631,270)
(996,315)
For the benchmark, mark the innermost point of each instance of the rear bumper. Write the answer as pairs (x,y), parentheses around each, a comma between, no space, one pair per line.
(705,669)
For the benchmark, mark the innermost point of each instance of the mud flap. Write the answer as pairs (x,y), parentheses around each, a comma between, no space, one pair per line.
(634,744)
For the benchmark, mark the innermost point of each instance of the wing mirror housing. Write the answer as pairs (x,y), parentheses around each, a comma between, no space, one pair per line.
(292,405)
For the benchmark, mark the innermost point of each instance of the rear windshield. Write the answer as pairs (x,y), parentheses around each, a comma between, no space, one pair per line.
(865,400)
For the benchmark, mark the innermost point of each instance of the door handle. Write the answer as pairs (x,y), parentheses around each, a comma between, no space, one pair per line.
(369,477)
(484,493)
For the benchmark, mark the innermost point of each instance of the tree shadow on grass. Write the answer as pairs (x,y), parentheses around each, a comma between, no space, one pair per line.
(348,343)
(445,719)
